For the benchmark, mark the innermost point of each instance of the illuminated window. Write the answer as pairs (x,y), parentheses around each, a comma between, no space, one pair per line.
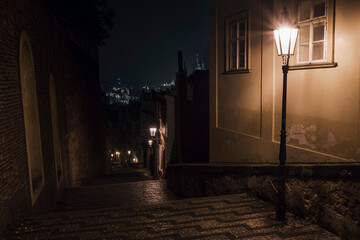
(237,42)
(315,19)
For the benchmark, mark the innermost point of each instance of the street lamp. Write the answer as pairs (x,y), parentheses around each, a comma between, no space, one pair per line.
(285,39)
(150,142)
(129,152)
(152,132)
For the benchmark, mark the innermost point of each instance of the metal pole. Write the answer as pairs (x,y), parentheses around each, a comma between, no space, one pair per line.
(281,203)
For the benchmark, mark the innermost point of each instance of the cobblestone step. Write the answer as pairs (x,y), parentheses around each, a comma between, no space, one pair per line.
(115,195)
(237,216)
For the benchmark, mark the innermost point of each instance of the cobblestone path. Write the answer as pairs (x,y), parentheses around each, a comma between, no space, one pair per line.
(115,195)
(237,216)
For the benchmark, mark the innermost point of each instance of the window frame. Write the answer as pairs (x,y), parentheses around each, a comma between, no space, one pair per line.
(237,18)
(328,52)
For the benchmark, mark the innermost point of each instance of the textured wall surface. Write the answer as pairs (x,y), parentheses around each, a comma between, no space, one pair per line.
(80,125)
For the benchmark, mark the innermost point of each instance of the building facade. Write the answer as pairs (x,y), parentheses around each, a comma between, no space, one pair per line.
(158,111)
(322,104)
(246,83)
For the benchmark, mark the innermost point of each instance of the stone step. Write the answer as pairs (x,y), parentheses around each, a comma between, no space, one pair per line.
(238,216)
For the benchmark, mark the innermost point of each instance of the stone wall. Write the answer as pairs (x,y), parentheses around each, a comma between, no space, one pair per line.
(79,108)
(327,194)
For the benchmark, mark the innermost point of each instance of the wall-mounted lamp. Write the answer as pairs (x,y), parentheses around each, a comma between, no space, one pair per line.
(150,142)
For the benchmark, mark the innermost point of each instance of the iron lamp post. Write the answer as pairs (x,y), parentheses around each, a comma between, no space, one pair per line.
(285,39)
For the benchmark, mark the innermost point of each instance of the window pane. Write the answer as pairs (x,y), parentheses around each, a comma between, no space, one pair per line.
(304,53)
(305,10)
(233,55)
(319,8)
(318,51)
(304,34)
(242,61)
(318,32)
(242,29)
(233,30)
(242,47)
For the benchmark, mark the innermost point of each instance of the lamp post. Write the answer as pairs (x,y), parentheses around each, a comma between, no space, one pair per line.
(285,39)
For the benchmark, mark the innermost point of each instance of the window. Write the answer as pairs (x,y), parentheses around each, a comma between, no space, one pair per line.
(315,36)
(237,42)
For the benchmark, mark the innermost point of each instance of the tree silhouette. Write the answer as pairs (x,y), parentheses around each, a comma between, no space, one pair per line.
(88,20)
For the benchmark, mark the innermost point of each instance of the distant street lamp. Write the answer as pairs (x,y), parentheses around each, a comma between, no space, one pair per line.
(285,39)
(129,152)
(152,132)
(150,142)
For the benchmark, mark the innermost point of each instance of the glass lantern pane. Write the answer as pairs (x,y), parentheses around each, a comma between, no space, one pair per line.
(319,8)
(277,41)
(304,34)
(305,7)
(318,51)
(319,32)
(285,34)
(304,53)
(294,33)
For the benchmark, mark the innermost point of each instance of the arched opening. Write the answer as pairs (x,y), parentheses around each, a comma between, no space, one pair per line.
(31,118)
(55,131)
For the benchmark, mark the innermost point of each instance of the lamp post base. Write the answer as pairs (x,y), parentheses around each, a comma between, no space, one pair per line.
(281,202)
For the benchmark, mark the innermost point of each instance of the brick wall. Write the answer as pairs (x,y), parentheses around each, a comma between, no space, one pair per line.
(79,108)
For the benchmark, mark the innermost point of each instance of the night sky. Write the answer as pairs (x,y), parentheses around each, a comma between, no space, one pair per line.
(146,37)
